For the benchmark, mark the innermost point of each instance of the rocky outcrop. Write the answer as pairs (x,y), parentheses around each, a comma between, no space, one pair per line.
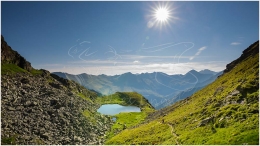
(251,50)
(35,112)
(10,56)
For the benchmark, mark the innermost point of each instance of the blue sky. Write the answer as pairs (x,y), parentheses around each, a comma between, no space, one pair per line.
(117,37)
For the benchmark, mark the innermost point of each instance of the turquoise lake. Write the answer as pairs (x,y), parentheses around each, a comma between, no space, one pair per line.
(113,109)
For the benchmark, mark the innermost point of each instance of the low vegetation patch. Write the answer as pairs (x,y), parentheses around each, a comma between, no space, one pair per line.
(36,72)
(126,120)
(84,97)
(11,69)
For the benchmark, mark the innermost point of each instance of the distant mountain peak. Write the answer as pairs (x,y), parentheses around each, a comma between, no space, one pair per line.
(192,72)
(207,71)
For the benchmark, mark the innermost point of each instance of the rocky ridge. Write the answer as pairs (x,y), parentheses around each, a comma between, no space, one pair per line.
(251,50)
(46,109)
(8,55)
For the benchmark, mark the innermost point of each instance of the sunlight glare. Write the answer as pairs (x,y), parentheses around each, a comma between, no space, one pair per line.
(162,14)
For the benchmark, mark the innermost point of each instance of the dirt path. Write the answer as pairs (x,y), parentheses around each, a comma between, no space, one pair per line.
(174,134)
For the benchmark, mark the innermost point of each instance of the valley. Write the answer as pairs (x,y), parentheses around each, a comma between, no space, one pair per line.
(160,89)
(220,108)
(129,73)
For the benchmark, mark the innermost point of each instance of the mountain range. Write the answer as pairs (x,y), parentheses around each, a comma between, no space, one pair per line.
(159,88)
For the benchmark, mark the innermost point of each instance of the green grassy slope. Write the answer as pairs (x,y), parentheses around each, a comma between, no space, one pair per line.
(12,69)
(224,112)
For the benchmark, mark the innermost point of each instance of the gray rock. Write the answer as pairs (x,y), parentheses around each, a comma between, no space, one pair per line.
(235,92)
(205,121)
(34,103)
(27,103)
(26,137)
(40,111)
(77,139)
(11,109)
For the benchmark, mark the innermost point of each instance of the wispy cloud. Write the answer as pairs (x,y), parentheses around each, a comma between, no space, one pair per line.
(235,43)
(132,59)
(136,61)
(198,52)
(143,57)
(51,65)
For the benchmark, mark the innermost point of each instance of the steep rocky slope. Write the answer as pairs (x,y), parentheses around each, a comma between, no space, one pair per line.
(224,112)
(42,108)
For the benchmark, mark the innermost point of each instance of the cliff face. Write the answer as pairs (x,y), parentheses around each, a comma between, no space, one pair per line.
(9,56)
(43,108)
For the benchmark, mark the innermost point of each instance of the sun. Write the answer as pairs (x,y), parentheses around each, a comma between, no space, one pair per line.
(162,14)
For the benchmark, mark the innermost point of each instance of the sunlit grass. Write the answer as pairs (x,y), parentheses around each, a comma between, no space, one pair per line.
(234,119)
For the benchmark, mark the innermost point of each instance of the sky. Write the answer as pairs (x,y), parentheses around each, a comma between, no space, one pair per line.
(118,37)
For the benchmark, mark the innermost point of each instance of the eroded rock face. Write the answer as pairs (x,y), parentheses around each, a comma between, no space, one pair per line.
(35,112)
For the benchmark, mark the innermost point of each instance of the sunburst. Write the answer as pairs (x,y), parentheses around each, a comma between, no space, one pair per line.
(162,14)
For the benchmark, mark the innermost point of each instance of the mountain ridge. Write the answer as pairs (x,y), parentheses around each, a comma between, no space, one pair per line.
(8,55)
(204,71)
(156,86)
